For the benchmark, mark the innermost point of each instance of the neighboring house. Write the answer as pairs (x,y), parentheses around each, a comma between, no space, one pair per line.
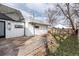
(36,27)
(11,22)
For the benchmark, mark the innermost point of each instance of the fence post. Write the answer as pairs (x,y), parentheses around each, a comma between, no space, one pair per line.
(78,35)
(77,27)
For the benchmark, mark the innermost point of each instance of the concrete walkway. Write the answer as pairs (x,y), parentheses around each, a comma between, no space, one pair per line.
(8,46)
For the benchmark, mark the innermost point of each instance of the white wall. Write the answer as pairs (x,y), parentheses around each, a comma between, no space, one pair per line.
(41,30)
(17,32)
(30,29)
(14,32)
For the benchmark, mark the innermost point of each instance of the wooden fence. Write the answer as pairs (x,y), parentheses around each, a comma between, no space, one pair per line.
(60,31)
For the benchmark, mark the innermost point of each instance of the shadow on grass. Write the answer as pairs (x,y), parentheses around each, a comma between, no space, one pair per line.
(67,46)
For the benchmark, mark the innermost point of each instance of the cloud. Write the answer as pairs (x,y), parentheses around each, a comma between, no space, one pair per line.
(17,6)
(39,7)
(60,26)
(26,14)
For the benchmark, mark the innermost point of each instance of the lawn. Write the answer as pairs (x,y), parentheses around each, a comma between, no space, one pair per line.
(68,46)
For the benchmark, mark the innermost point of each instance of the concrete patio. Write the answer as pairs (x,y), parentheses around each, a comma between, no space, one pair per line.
(9,46)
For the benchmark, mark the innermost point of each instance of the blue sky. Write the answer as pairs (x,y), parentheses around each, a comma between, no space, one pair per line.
(37,8)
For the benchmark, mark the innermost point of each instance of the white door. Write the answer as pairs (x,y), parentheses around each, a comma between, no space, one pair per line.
(2,28)
(36,30)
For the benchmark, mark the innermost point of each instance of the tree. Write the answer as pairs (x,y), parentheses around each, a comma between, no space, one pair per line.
(76,9)
(67,12)
(51,15)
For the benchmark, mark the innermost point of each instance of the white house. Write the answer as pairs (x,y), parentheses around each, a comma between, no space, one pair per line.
(11,22)
(35,27)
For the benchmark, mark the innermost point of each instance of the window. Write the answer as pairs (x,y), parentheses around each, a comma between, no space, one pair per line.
(18,26)
(36,26)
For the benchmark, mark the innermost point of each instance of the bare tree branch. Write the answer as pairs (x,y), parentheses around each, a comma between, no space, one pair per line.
(68,15)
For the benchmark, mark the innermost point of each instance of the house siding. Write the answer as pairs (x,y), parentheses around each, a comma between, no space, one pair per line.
(11,31)
(14,32)
(31,31)
(28,29)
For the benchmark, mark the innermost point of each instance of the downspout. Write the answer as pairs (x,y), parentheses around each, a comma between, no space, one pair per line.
(24,28)
(34,29)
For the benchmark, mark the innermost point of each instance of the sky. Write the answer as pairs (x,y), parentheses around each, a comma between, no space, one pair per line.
(36,9)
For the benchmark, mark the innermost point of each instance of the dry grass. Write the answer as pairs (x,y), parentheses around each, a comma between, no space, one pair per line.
(68,46)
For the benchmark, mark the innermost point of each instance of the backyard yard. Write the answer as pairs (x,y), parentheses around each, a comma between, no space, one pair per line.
(68,45)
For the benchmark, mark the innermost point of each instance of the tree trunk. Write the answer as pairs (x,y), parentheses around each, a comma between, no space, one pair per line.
(69,16)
